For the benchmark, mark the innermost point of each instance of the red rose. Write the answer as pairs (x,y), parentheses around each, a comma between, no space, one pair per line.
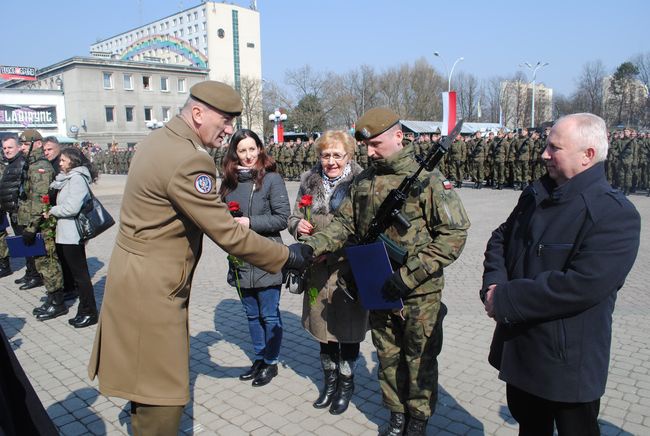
(234,209)
(233,206)
(45,199)
(306,201)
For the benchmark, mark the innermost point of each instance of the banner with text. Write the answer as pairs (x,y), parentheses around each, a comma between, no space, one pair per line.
(22,116)
(10,72)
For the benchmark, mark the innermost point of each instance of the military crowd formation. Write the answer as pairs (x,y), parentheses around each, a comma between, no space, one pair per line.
(497,160)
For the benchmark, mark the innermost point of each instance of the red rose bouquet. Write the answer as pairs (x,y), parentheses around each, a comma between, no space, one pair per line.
(305,204)
(235,262)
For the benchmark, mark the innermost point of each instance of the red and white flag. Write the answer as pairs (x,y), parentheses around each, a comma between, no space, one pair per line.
(448,112)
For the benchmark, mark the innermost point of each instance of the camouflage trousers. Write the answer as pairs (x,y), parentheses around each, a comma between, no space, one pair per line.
(520,171)
(407,350)
(4,250)
(625,173)
(499,172)
(49,267)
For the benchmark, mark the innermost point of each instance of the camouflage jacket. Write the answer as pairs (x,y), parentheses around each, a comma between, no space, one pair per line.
(37,184)
(438,219)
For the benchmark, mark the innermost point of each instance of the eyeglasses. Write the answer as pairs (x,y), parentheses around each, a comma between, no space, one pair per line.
(338,157)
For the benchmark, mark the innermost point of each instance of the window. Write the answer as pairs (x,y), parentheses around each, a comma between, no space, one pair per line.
(108,80)
(146,83)
(110,113)
(148,114)
(128,82)
(165,113)
(180,20)
(181,85)
(129,113)
(164,84)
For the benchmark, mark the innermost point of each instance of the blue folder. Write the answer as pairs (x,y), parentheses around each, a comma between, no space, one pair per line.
(17,247)
(371,268)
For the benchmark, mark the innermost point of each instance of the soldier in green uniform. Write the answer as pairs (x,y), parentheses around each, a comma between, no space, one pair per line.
(644,162)
(457,157)
(499,156)
(521,148)
(627,157)
(407,342)
(35,185)
(509,144)
(537,165)
(477,152)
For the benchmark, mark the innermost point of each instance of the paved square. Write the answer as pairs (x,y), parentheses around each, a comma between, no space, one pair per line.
(472,400)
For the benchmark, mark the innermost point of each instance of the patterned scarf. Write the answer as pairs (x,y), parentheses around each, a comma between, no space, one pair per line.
(330,183)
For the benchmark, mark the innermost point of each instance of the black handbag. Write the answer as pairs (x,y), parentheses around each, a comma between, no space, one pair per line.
(93,218)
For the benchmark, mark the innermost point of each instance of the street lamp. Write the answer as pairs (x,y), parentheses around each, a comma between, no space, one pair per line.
(534,68)
(435,53)
(278,132)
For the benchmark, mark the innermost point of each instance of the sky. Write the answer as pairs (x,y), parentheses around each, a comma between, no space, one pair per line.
(494,37)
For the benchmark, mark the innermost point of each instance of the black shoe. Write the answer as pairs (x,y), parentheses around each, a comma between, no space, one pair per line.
(82,321)
(344,392)
(5,267)
(416,427)
(22,280)
(265,375)
(252,371)
(55,309)
(42,308)
(329,389)
(31,283)
(395,426)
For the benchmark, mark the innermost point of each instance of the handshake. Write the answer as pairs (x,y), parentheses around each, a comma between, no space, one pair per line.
(300,257)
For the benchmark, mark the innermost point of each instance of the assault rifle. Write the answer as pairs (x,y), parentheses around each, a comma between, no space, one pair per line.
(390,210)
(497,147)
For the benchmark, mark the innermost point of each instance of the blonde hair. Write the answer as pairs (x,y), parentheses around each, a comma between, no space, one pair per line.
(330,137)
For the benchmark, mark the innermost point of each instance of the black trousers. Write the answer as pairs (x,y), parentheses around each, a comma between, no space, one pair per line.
(76,275)
(537,416)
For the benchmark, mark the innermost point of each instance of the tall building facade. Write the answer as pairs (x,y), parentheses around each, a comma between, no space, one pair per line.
(221,37)
(516,104)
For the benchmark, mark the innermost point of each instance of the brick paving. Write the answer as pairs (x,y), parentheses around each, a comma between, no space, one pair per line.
(471,402)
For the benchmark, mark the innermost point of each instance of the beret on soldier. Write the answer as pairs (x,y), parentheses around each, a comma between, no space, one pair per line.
(219,96)
(30,135)
(375,122)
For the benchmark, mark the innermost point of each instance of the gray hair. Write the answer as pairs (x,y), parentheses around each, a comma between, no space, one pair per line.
(592,132)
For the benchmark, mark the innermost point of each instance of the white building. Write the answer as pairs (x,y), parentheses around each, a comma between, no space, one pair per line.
(222,37)
(516,104)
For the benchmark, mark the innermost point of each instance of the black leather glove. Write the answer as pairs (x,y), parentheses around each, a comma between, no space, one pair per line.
(29,237)
(394,288)
(300,256)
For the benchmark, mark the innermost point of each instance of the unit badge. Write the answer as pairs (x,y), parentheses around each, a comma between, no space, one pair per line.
(203,183)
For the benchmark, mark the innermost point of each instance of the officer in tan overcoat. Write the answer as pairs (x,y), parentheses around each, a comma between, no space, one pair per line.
(141,350)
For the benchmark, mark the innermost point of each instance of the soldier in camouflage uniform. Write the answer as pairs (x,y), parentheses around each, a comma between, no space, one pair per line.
(612,158)
(30,215)
(508,144)
(477,152)
(457,157)
(521,147)
(627,159)
(499,156)
(409,342)
(537,165)
(644,162)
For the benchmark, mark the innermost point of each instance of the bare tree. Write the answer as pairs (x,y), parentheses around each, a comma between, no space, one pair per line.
(642,62)
(251,95)
(469,91)
(589,94)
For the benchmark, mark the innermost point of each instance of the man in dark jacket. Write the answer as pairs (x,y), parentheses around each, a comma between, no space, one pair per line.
(552,272)
(12,167)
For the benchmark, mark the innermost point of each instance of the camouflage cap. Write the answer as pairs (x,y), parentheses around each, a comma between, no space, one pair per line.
(219,96)
(30,135)
(375,122)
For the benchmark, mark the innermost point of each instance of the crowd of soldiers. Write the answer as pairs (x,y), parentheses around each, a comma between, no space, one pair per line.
(493,159)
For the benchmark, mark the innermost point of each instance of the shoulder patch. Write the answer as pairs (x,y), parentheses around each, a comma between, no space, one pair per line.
(41,170)
(203,183)
(447,184)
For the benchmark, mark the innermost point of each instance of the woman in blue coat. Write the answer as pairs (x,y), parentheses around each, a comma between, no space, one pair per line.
(260,195)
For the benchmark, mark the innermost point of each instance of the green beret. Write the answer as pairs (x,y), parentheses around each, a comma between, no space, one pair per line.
(219,96)
(375,122)
(30,135)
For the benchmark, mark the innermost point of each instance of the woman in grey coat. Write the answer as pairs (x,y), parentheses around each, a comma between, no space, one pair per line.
(336,321)
(72,188)
(252,188)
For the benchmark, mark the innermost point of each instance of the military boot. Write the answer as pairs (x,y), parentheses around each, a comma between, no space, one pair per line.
(416,427)
(5,267)
(345,387)
(30,271)
(395,426)
(42,308)
(56,308)
(31,283)
(330,382)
